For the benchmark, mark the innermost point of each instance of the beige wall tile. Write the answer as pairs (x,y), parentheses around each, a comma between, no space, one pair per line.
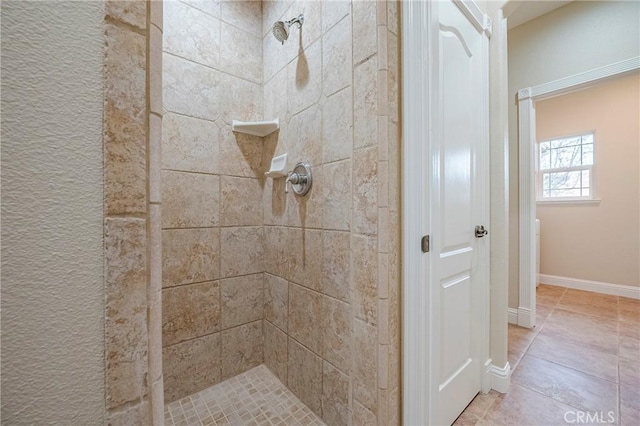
(198,41)
(304,370)
(383,229)
(242,250)
(312,28)
(124,121)
(191,366)
(365,367)
(394,76)
(383,138)
(242,99)
(394,407)
(190,255)
(241,154)
(365,191)
(157,401)
(362,416)
(336,265)
(154,295)
(241,300)
(364,30)
(364,261)
(276,258)
(275,102)
(130,12)
(365,99)
(275,57)
(275,351)
(241,53)
(241,348)
(383,183)
(337,127)
(335,396)
(190,144)
(135,415)
(212,7)
(275,202)
(304,136)
(336,58)
(190,311)
(383,275)
(126,333)
(393,20)
(155,159)
(334,11)
(246,15)
(383,367)
(305,79)
(383,321)
(337,333)
(191,89)
(241,201)
(156,12)
(190,200)
(276,301)
(305,317)
(305,257)
(155,68)
(337,196)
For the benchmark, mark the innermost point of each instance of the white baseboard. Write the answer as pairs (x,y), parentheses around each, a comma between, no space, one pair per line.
(500,378)
(513,316)
(595,286)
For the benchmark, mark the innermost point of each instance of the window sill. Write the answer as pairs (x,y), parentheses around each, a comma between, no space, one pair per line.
(560,202)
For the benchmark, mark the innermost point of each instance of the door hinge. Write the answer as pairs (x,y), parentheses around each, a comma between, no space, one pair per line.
(425,244)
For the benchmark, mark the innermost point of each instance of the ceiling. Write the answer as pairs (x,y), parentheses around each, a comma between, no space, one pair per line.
(518,12)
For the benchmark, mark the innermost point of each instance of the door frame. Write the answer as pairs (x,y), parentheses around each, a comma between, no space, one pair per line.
(527,97)
(416,213)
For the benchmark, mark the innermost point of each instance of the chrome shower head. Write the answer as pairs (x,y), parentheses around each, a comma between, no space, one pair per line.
(281,28)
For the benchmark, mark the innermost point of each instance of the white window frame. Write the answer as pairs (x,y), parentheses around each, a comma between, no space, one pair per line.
(539,173)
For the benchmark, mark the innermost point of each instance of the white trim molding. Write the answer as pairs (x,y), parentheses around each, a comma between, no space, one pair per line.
(500,377)
(472,11)
(415,130)
(513,316)
(527,97)
(595,286)
(578,81)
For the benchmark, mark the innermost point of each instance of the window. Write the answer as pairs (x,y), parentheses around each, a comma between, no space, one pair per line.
(565,168)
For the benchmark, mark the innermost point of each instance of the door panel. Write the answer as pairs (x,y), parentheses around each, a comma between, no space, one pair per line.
(457,275)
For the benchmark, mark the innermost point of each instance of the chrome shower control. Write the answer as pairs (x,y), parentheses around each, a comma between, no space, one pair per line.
(300,179)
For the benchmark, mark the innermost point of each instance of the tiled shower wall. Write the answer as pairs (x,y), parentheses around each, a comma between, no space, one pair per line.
(212,233)
(331,323)
(132,113)
(321,270)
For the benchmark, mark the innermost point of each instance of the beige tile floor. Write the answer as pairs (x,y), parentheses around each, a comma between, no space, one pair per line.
(582,357)
(255,397)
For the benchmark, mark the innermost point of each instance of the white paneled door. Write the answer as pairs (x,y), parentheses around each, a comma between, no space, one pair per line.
(459,198)
(445,196)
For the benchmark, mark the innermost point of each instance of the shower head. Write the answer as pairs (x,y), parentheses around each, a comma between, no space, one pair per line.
(281,28)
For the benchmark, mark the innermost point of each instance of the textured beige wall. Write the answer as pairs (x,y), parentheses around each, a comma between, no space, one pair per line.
(212,180)
(575,38)
(52,231)
(598,242)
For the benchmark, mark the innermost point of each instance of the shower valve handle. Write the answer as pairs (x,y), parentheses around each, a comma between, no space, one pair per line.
(295,179)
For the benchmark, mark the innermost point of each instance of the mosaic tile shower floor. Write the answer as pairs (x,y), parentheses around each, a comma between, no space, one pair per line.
(255,397)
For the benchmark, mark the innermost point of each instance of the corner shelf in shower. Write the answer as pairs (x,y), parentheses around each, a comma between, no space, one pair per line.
(256,128)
